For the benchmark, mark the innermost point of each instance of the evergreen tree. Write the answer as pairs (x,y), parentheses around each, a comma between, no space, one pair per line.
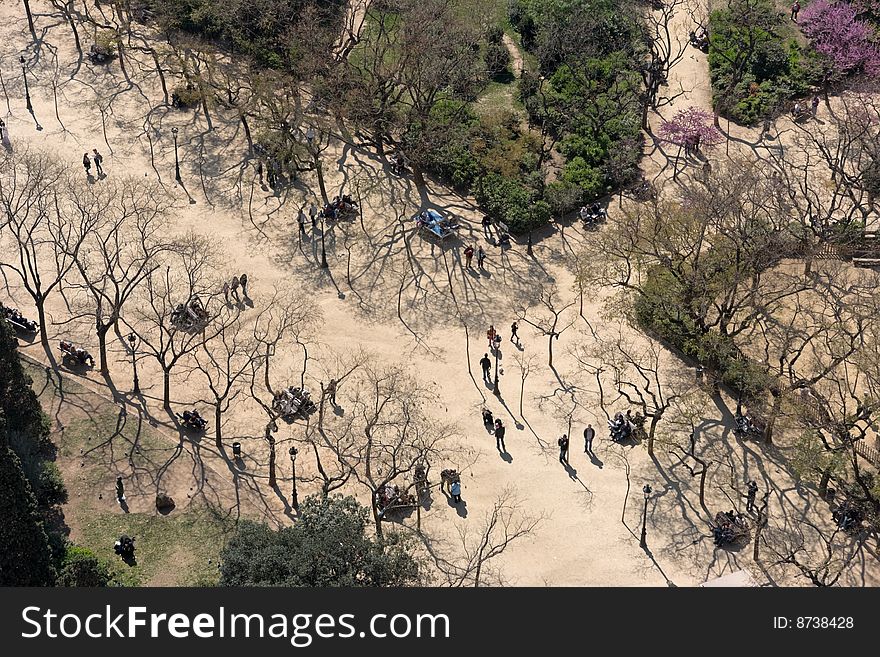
(25,558)
(328,546)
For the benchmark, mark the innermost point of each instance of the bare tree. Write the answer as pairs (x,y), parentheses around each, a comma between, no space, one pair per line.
(121,251)
(819,555)
(395,434)
(225,360)
(641,374)
(469,563)
(286,315)
(186,278)
(38,228)
(547,318)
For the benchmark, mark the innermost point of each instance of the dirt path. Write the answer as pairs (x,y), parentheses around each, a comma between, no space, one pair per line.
(405,301)
(516,59)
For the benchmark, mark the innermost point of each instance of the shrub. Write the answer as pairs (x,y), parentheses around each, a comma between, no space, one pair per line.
(663,310)
(563,197)
(50,490)
(81,567)
(590,179)
(494,34)
(497,59)
(755,69)
(328,546)
(106,43)
(186,95)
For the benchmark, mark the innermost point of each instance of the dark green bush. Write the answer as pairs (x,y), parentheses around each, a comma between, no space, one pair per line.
(497,59)
(81,567)
(327,546)
(663,310)
(754,67)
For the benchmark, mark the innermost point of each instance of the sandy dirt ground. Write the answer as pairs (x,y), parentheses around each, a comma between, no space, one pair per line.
(432,322)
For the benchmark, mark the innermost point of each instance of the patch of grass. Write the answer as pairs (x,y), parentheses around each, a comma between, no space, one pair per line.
(498,96)
(94,443)
(181,549)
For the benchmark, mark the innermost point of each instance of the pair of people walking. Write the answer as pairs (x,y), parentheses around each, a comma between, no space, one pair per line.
(469,256)
(237,281)
(98,159)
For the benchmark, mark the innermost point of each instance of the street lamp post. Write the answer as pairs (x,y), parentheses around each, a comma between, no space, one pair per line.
(132,339)
(294,502)
(643,543)
(27,91)
(176,158)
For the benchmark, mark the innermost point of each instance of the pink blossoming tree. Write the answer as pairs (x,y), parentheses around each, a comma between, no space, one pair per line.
(692,129)
(848,43)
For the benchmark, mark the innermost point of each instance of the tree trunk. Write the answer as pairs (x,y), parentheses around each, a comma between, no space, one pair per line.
(44,334)
(166,388)
(218,434)
(319,170)
(30,18)
(760,524)
(418,175)
(271,440)
(205,107)
(550,350)
(102,347)
(247,133)
(376,517)
(774,413)
(651,430)
(73,27)
(823,483)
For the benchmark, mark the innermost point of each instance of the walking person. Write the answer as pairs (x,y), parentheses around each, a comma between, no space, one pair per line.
(331,391)
(751,495)
(486,364)
(99,159)
(795,8)
(490,336)
(563,448)
(313,215)
(481,256)
(468,256)
(815,105)
(513,332)
(226,292)
(120,490)
(87,165)
(4,133)
(499,437)
(589,434)
(235,284)
(243,279)
(301,218)
(487,226)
